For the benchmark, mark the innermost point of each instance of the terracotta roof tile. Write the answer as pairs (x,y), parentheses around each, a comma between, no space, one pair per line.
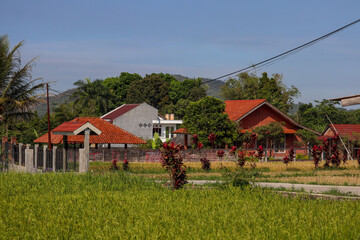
(238,108)
(68,126)
(109,134)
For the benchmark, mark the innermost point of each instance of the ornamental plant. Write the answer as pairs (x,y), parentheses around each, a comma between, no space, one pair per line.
(326,149)
(260,151)
(335,155)
(125,165)
(316,153)
(241,159)
(220,154)
(358,156)
(212,138)
(173,162)
(291,156)
(114,165)
(195,140)
(253,159)
(205,164)
(286,160)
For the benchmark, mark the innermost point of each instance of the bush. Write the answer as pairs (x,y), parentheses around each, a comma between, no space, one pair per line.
(205,164)
(302,157)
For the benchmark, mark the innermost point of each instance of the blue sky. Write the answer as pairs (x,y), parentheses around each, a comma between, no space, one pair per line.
(99,39)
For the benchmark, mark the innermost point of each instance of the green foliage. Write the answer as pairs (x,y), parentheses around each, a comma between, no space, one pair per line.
(314,117)
(270,131)
(93,97)
(250,86)
(156,142)
(308,137)
(120,206)
(207,116)
(18,91)
(152,89)
(119,85)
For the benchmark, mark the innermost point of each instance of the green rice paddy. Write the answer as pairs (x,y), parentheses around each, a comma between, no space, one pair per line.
(121,206)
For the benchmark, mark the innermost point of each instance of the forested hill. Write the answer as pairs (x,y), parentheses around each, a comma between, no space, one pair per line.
(55,100)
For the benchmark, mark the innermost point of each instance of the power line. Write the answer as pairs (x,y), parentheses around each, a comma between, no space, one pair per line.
(283,55)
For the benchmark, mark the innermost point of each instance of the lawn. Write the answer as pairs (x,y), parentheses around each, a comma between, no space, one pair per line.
(295,172)
(120,205)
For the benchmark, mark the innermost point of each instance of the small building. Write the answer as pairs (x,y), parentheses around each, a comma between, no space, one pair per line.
(350,134)
(143,121)
(110,134)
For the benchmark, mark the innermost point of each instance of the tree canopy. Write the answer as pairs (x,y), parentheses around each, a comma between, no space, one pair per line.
(207,116)
(250,86)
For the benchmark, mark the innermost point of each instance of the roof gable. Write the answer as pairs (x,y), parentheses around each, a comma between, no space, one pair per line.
(119,111)
(236,109)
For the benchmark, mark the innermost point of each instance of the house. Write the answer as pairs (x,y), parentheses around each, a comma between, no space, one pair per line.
(143,121)
(350,134)
(249,114)
(110,134)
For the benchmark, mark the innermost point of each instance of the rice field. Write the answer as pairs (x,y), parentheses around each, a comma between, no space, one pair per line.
(118,205)
(295,172)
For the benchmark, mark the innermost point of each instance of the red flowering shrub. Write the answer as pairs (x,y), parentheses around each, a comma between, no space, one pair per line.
(205,164)
(286,160)
(195,140)
(241,160)
(114,165)
(260,151)
(233,150)
(335,155)
(316,154)
(358,156)
(212,138)
(125,165)
(326,149)
(252,159)
(200,145)
(173,162)
(220,153)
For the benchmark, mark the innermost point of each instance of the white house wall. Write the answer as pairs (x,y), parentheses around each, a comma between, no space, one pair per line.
(138,121)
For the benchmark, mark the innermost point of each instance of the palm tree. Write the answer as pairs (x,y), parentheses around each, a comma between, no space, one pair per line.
(18,91)
(93,97)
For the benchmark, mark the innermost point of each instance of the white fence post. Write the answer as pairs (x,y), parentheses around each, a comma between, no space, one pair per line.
(20,154)
(29,160)
(36,146)
(44,157)
(54,158)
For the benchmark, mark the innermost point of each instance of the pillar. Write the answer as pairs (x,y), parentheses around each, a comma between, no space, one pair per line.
(54,158)
(20,153)
(44,157)
(29,161)
(36,146)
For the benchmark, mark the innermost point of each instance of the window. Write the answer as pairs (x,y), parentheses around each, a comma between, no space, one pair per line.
(157,129)
(279,145)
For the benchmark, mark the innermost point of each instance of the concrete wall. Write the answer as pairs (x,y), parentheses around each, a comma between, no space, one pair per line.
(143,114)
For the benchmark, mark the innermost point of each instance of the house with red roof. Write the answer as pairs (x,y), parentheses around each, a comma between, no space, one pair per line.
(249,114)
(350,132)
(143,121)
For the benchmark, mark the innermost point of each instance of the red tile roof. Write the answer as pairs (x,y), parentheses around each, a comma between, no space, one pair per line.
(238,108)
(119,111)
(109,134)
(68,126)
(352,131)
(180,131)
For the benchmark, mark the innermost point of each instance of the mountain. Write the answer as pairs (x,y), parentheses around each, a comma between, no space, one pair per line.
(54,100)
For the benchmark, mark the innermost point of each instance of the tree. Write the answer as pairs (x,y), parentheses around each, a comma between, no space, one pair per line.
(250,86)
(207,116)
(314,117)
(93,97)
(18,91)
(119,85)
(152,89)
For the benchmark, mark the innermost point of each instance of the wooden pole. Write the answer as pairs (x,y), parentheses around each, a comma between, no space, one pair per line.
(48,115)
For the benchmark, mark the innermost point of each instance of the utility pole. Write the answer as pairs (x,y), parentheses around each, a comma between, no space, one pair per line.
(48,115)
